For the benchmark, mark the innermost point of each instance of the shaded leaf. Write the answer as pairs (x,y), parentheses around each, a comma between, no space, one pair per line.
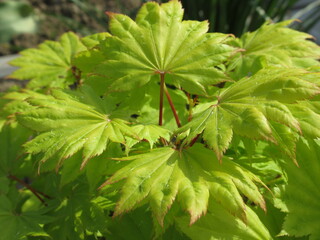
(133,226)
(69,205)
(98,167)
(303,192)
(12,136)
(273,220)
(71,169)
(16,225)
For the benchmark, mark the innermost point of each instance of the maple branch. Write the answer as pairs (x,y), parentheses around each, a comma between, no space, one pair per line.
(161,98)
(162,85)
(194,140)
(35,192)
(192,102)
(176,117)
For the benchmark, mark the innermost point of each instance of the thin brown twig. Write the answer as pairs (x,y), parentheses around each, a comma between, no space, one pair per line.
(194,140)
(161,98)
(35,192)
(176,117)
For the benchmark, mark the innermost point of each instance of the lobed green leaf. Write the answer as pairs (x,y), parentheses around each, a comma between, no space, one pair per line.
(302,192)
(192,176)
(70,122)
(274,45)
(220,224)
(159,42)
(253,108)
(49,65)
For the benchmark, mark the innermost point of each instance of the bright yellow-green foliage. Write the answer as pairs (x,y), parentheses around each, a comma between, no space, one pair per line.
(250,106)
(185,134)
(160,42)
(49,65)
(192,177)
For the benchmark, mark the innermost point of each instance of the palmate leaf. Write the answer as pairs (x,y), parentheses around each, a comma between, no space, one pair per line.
(71,207)
(137,225)
(16,225)
(273,44)
(302,193)
(15,102)
(150,133)
(93,40)
(86,61)
(70,122)
(273,220)
(50,64)
(159,42)
(12,136)
(308,115)
(254,107)
(192,176)
(219,224)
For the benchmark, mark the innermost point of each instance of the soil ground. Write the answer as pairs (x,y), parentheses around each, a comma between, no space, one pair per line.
(56,17)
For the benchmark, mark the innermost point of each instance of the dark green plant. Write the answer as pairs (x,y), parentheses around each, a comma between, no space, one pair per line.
(240,16)
(160,130)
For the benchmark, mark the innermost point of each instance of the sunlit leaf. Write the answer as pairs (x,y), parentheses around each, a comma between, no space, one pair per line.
(49,65)
(308,115)
(220,224)
(192,177)
(150,133)
(70,122)
(159,42)
(274,44)
(249,107)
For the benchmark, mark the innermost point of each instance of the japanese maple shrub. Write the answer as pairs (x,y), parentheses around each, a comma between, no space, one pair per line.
(185,134)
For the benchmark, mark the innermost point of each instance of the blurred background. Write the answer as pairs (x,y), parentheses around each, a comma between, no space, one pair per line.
(26,23)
